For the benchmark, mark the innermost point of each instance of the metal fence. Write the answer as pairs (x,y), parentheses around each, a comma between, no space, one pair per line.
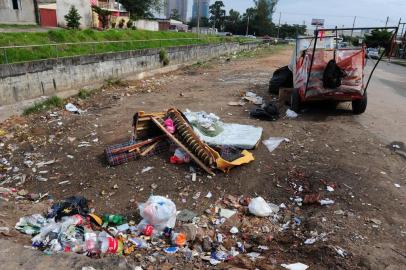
(15,54)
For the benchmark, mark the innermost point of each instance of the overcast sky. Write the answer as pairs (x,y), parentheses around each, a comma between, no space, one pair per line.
(335,12)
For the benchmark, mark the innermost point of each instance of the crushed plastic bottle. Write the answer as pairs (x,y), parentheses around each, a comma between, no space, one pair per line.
(91,243)
(109,245)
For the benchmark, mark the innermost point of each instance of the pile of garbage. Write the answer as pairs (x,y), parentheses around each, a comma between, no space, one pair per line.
(196,137)
(240,227)
(70,227)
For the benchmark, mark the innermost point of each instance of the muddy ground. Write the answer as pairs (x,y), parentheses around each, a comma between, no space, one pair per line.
(367,220)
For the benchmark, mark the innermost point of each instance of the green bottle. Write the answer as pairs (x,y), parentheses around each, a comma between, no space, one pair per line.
(113,219)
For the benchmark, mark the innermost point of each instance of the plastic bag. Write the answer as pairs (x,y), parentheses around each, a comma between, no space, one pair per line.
(159,212)
(259,207)
(273,142)
(31,224)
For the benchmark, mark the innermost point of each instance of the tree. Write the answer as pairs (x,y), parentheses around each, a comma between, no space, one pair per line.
(233,22)
(291,31)
(142,8)
(217,15)
(175,15)
(204,22)
(262,23)
(73,18)
(378,38)
(272,6)
(104,15)
(248,21)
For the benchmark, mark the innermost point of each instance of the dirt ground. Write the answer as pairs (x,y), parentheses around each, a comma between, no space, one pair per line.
(367,220)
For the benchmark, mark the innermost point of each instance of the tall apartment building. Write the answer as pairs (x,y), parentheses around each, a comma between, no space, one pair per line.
(179,5)
(204,8)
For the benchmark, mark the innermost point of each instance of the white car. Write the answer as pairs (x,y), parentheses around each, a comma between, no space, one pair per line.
(372,53)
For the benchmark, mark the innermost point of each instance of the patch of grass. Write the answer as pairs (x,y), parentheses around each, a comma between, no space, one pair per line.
(115,82)
(18,26)
(262,51)
(132,40)
(49,103)
(84,94)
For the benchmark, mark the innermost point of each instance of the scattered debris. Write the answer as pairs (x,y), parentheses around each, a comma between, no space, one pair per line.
(326,202)
(259,207)
(295,266)
(273,142)
(227,213)
(147,169)
(291,114)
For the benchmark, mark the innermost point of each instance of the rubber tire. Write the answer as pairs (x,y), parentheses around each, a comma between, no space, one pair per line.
(359,106)
(295,101)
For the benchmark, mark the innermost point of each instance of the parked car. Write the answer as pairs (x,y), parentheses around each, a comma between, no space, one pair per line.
(373,53)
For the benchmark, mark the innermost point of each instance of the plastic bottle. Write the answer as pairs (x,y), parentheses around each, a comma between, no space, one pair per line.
(178,239)
(113,219)
(91,243)
(109,245)
(138,243)
(73,220)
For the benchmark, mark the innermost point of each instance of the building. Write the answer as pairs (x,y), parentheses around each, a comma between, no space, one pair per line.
(89,18)
(179,5)
(204,8)
(17,12)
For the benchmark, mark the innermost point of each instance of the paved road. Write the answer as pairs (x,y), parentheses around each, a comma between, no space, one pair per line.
(385,115)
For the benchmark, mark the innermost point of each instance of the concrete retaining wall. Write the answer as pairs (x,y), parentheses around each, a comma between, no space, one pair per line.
(22,81)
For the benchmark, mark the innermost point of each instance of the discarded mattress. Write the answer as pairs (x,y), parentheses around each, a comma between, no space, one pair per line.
(235,135)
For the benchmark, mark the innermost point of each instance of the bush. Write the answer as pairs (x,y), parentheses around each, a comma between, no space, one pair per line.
(73,18)
(84,94)
(113,25)
(121,23)
(163,57)
(103,14)
(130,24)
(133,27)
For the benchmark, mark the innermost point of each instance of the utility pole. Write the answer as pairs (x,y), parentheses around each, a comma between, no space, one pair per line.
(248,23)
(353,25)
(387,20)
(279,24)
(198,18)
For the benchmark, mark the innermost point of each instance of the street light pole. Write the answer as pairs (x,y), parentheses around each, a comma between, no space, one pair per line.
(198,18)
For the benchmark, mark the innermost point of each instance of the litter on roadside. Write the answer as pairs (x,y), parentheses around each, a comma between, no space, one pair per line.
(291,114)
(295,266)
(155,132)
(273,142)
(72,108)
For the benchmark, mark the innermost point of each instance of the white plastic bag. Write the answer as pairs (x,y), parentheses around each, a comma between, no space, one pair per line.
(259,207)
(291,114)
(159,212)
(273,142)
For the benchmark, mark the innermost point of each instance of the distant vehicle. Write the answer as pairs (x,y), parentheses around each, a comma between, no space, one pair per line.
(343,45)
(373,53)
(251,36)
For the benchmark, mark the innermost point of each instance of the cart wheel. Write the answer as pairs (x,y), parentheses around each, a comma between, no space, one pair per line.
(295,101)
(359,106)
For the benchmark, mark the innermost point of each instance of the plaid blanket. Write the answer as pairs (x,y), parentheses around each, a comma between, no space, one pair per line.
(124,157)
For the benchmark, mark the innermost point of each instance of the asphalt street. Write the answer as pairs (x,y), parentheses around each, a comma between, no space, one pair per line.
(386,111)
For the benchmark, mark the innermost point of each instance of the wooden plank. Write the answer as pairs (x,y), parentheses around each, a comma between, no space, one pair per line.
(178,143)
(133,147)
